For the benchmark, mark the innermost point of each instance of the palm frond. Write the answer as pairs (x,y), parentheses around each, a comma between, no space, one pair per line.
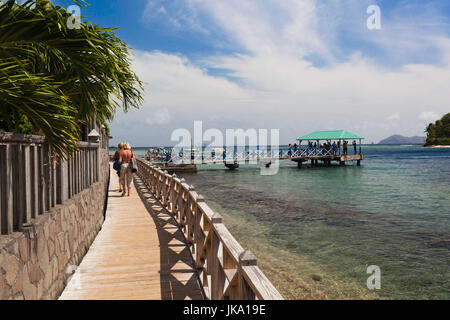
(84,67)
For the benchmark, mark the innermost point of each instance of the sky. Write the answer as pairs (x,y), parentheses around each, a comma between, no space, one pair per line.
(294,65)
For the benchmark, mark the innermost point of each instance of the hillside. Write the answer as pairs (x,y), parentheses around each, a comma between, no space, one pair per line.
(398,139)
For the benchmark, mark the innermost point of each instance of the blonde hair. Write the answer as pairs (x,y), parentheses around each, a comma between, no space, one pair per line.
(120,145)
(126,146)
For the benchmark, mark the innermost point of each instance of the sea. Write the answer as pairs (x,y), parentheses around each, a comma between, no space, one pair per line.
(319,232)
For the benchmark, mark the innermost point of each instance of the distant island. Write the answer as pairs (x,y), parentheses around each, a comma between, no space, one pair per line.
(398,139)
(438,134)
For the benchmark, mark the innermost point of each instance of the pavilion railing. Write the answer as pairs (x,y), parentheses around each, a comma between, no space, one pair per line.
(225,269)
(33,181)
(246,155)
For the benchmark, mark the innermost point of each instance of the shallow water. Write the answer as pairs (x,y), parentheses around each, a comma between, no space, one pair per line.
(393,212)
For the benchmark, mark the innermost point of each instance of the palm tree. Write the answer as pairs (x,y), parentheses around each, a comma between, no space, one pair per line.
(54,78)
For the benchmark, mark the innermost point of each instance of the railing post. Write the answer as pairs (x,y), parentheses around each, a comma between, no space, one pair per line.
(76,171)
(215,271)
(34,164)
(47,181)
(62,181)
(86,168)
(97,163)
(69,177)
(18,182)
(80,170)
(198,239)
(74,176)
(53,172)
(172,193)
(26,187)
(41,180)
(7,194)
(91,166)
(246,258)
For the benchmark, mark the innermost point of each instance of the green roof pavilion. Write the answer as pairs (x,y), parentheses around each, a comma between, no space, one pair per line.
(330,135)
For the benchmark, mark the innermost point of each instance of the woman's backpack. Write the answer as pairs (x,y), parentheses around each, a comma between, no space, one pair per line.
(116,165)
(134,167)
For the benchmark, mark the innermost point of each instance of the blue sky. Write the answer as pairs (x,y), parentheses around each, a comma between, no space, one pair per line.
(296,65)
(145,29)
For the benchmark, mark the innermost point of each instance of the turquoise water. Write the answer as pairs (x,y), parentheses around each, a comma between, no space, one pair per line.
(393,212)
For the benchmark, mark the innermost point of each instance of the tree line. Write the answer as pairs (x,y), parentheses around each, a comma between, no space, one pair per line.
(439,132)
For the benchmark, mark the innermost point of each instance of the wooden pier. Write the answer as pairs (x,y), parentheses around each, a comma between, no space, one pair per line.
(328,159)
(164,242)
(138,254)
(231,160)
(231,157)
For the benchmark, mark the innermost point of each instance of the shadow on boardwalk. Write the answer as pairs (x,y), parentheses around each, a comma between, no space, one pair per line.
(138,254)
(179,281)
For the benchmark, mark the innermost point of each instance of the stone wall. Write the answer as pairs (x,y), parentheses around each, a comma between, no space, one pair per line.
(35,263)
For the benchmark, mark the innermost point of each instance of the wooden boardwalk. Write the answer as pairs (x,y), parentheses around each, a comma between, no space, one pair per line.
(139,254)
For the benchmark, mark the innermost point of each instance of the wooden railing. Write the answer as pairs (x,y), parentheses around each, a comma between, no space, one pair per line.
(247,155)
(226,270)
(32,181)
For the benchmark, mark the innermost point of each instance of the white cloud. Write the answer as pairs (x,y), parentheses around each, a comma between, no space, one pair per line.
(275,86)
(253,25)
(429,116)
(267,27)
(393,117)
(310,27)
(282,92)
(177,14)
(159,117)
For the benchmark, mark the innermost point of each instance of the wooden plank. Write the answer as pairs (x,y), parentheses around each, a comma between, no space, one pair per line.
(8,192)
(41,182)
(76,169)
(84,169)
(34,182)
(88,167)
(18,181)
(229,242)
(62,183)
(137,254)
(47,176)
(69,178)
(26,187)
(91,167)
(259,283)
(96,165)
(2,182)
(53,179)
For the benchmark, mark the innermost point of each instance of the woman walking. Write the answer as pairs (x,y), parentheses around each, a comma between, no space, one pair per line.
(126,176)
(116,165)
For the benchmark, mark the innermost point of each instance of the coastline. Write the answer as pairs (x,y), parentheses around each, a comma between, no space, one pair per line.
(438,146)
